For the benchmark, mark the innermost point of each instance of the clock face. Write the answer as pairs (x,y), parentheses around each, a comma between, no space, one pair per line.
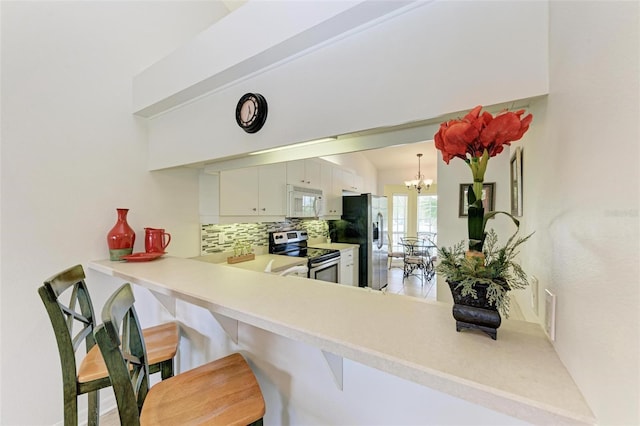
(251,112)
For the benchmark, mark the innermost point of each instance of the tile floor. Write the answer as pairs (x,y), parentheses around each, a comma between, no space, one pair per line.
(412,286)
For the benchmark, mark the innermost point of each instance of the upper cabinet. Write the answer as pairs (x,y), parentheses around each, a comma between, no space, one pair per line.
(259,193)
(351,181)
(254,191)
(332,190)
(304,173)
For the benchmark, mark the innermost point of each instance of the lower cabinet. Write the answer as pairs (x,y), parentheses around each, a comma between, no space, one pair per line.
(349,266)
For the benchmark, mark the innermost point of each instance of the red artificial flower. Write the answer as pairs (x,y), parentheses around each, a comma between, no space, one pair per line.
(478,131)
(505,128)
(453,139)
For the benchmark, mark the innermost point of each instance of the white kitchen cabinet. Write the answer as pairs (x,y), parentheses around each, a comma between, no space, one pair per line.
(358,183)
(349,266)
(304,173)
(331,178)
(351,181)
(335,200)
(254,191)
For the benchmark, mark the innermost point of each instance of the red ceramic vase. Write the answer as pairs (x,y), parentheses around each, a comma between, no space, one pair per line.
(121,237)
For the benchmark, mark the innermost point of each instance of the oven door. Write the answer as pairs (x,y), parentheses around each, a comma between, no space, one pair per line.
(329,270)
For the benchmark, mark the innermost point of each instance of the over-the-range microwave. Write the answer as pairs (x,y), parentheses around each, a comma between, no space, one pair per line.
(303,202)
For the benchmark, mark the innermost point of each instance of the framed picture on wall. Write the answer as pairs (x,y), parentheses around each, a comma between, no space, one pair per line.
(516,183)
(488,198)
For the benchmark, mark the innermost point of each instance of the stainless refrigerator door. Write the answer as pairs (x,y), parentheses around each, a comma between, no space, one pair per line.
(383,250)
(379,253)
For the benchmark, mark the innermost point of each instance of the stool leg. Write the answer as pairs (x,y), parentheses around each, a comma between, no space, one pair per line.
(94,408)
(166,369)
(70,409)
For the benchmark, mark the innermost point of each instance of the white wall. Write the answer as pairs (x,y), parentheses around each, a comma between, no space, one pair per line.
(71,153)
(581,196)
(581,199)
(400,71)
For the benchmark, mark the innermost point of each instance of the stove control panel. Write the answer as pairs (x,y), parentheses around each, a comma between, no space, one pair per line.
(285,237)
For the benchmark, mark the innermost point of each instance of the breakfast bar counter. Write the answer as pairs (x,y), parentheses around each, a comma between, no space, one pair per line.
(278,263)
(519,374)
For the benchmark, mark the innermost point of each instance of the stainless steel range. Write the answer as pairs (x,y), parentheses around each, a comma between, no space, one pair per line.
(324,264)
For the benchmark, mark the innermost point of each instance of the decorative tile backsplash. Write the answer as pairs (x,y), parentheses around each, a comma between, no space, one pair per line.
(256,234)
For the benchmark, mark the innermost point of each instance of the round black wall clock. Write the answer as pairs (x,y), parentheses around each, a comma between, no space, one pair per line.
(251,112)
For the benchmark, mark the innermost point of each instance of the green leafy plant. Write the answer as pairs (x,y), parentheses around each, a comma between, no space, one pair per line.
(497,269)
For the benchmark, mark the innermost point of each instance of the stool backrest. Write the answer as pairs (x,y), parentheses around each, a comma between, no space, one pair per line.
(66,316)
(122,346)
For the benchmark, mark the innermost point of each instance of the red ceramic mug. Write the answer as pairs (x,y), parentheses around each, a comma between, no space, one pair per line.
(156,240)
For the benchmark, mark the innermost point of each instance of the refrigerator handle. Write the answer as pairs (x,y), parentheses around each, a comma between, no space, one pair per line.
(380,230)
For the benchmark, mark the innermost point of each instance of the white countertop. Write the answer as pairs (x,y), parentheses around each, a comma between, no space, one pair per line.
(519,374)
(280,263)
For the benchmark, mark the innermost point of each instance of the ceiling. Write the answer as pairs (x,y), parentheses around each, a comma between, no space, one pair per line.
(403,157)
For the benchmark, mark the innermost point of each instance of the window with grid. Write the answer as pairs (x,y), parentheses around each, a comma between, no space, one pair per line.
(428,217)
(398,220)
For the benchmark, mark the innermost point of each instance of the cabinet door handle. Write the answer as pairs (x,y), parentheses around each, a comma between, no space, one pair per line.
(254,209)
(264,209)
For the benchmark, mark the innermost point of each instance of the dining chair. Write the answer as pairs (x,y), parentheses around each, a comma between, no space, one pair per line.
(392,254)
(68,303)
(221,392)
(417,259)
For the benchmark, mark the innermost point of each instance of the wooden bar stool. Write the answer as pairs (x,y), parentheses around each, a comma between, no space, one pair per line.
(92,375)
(222,392)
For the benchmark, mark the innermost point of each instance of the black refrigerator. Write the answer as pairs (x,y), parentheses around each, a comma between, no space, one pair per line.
(364,222)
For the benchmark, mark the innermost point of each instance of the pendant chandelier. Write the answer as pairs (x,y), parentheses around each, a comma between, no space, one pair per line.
(419,182)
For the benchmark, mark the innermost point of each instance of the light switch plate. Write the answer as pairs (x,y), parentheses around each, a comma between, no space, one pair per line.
(550,314)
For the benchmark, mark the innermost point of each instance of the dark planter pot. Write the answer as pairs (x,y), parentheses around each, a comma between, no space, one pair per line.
(475,314)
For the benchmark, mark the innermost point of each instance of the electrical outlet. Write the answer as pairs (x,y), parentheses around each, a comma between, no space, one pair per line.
(534,294)
(550,314)
(220,237)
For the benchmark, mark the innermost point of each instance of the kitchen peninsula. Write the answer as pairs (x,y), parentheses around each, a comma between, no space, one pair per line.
(519,375)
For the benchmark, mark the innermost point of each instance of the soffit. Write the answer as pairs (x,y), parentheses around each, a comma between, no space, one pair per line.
(253,38)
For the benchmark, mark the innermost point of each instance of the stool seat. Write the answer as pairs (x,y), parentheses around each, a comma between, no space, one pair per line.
(162,344)
(221,392)
(228,394)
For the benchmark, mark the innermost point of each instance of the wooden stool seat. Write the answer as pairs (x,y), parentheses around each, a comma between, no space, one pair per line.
(221,392)
(162,344)
(227,394)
